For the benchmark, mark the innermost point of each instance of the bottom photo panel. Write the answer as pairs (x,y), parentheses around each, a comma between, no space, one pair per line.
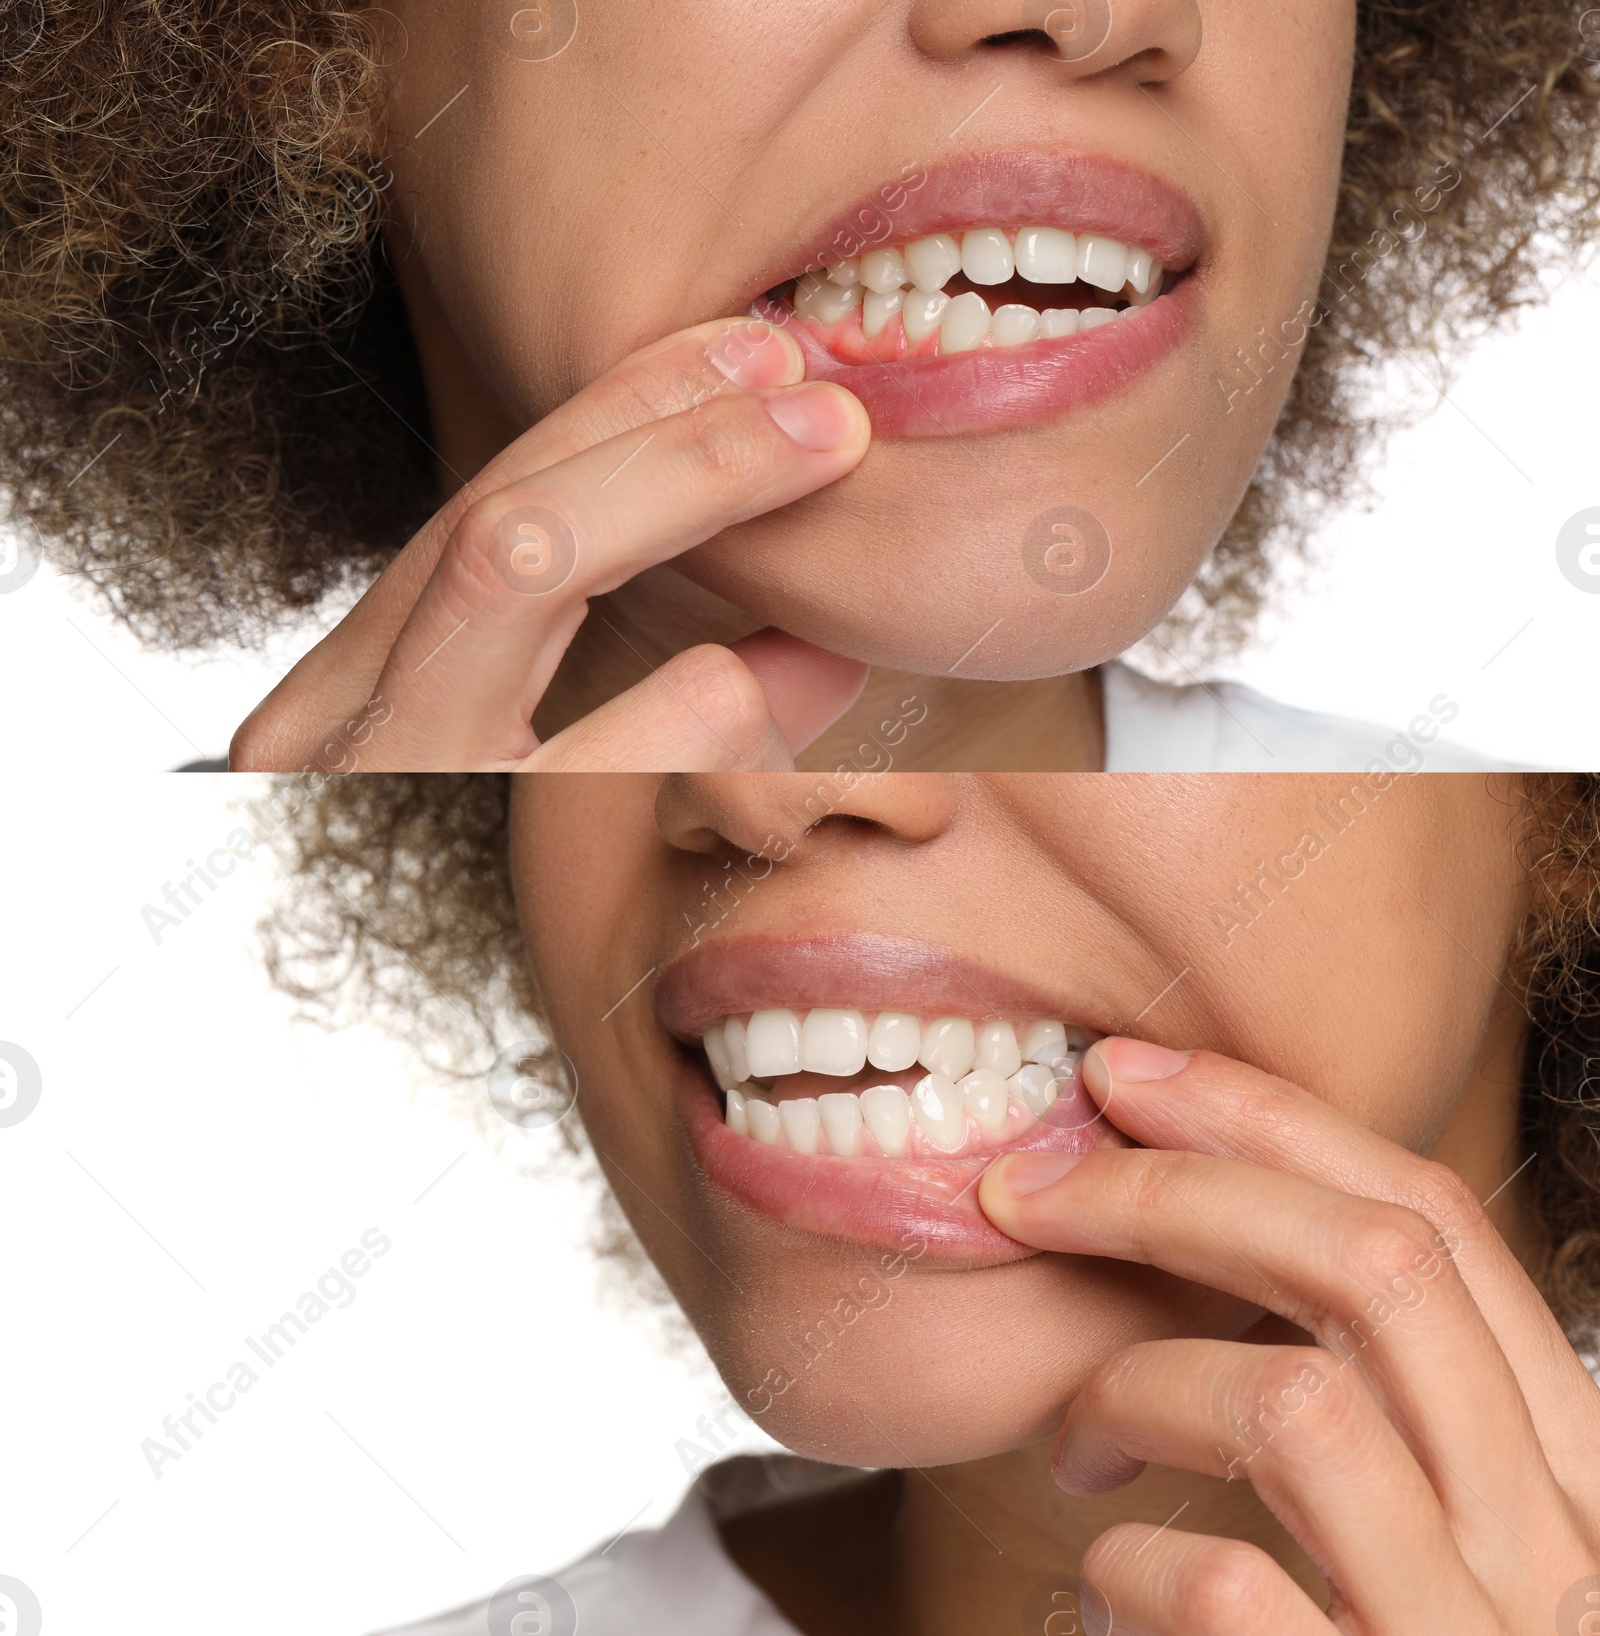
(793,1205)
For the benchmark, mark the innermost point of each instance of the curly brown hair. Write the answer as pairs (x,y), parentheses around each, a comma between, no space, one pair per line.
(400,908)
(210,403)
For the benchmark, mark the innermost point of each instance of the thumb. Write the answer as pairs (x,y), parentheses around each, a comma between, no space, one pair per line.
(808,689)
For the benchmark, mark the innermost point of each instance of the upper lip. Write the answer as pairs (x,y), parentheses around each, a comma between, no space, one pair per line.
(866,971)
(1081,192)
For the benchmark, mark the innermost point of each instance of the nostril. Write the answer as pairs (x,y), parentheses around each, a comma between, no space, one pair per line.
(1027,39)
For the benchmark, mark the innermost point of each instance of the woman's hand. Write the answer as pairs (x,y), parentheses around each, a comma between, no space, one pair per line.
(1436,1452)
(442,662)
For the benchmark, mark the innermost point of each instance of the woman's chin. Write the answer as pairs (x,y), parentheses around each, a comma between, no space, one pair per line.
(876,1430)
(954,1365)
(959,619)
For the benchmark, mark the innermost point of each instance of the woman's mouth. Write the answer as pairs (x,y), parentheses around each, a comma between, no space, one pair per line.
(995,291)
(987,287)
(891,1085)
(855,1085)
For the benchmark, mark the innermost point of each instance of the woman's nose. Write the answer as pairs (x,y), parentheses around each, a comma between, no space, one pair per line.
(1153,40)
(762,814)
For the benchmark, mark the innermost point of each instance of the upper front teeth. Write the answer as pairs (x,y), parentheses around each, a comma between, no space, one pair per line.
(1046,255)
(988,255)
(833,1042)
(840,1043)
(933,262)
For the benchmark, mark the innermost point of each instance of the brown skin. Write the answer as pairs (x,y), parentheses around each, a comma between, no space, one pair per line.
(1368,1001)
(564,214)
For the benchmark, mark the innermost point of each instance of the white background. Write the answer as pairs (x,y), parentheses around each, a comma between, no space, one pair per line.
(188,1135)
(1418,598)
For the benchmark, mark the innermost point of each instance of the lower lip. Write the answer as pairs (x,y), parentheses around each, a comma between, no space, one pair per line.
(891,1204)
(993,389)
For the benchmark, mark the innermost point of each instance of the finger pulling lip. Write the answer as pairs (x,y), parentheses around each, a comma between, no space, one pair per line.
(992,390)
(887,1204)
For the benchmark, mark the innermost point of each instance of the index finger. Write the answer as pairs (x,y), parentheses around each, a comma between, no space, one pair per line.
(665,378)
(1201,1102)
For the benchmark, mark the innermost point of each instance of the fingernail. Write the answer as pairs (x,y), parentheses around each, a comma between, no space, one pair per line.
(756,355)
(1135,1062)
(1022,1173)
(814,416)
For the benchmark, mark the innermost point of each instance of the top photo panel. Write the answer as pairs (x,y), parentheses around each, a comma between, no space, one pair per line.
(1133,385)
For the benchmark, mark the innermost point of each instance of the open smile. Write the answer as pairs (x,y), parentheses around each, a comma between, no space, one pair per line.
(1000,290)
(874,1121)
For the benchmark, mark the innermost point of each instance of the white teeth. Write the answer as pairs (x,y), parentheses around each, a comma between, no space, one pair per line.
(884,270)
(877,310)
(772,1044)
(933,262)
(801,1123)
(841,1122)
(1102,263)
(938,1108)
(886,1109)
(894,1040)
(964,324)
(1047,255)
(765,1125)
(823,300)
(949,1047)
(976,1069)
(987,1097)
(921,314)
(833,1042)
(733,1035)
(1015,325)
(716,1050)
(986,256)
(1034,1086)
(997,1048)
(735,1117)
(1152,288)
(909,283)
(1044,1041)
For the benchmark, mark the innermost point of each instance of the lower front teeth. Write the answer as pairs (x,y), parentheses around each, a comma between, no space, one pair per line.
(801,1123)
(886,1112)
(1015,325)
(987,1098)
(921,314)
(841,1121)
(765,1125)
(1035,1086)
(964,324)
(878,309)
(940,1111)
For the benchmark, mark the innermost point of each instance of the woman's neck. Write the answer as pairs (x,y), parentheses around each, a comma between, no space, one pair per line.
(973,1547)
(901,721)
